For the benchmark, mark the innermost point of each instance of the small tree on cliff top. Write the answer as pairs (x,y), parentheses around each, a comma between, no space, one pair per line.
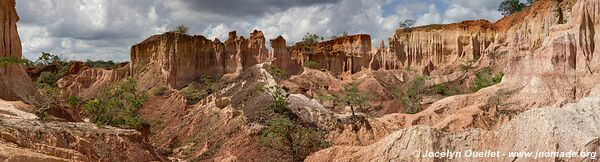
(509,7)
(311,38)
(181,29)
(407,24)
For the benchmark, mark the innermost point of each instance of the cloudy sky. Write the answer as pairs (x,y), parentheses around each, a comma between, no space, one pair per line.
(105,29)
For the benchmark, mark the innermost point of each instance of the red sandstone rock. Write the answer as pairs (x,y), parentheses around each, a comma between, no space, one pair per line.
(180,59)
(442,44)
(349,54)
(77,67)
(14,82)
(283,58)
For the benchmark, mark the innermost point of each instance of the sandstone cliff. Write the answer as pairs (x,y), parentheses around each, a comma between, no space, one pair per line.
(90,81)
(179,58)
(14,81)
(441,45)
(283,58)
(347,54)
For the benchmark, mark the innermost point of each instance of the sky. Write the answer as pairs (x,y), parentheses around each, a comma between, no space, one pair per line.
(106,29)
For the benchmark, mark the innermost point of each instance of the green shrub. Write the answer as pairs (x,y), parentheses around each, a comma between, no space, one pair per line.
(445,90)
(412,97)
(101,64)
(157,90)
(285,132)
(50,78)
(181,29)
(9,60)
(43,115)
(276,71)
(194,93)
(312,65)
(483,78)
(285,135)
(73,101)
(118,107)
(353,97)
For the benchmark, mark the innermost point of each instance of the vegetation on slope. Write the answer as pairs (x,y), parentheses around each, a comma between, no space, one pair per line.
(286,132)
(117,106)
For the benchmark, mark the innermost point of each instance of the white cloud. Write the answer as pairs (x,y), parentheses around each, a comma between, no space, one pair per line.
(105,29)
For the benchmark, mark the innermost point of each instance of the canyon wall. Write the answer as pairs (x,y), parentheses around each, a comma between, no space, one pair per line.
(282,57)
(176,59)
(180,58)
(440,45)
(14,81)
(347,54)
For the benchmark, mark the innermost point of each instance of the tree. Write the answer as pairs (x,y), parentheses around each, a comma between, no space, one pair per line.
(311,38)
(412,98)
(181,29)
(509,7)
(47,58)
(406,24)
(352,98)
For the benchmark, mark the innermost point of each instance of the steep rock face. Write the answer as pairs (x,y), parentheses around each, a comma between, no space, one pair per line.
(348,54)
(441,45)
(175,59)
(283,58)
(23,137)
(14,81)
(90,81)
(383,58)
(257,52)
(180,58)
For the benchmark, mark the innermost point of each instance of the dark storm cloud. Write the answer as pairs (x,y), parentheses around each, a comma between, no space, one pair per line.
(248,7)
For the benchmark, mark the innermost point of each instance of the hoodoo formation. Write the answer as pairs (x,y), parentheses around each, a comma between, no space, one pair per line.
(15,84)
(528,82)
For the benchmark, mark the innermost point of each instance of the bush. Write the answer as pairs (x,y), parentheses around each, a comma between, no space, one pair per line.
(49,99)
(181,29)
(285,135)
(157,90)
(444,90)
(118,107)
(312,65)
(509,7)
(73,101)
(353,97)
(286,132)
(276,71)
(195,91)
(9,60)
(407,24)
(49,78)
(311,39)
(483,78)
(412,98)
(101,64)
